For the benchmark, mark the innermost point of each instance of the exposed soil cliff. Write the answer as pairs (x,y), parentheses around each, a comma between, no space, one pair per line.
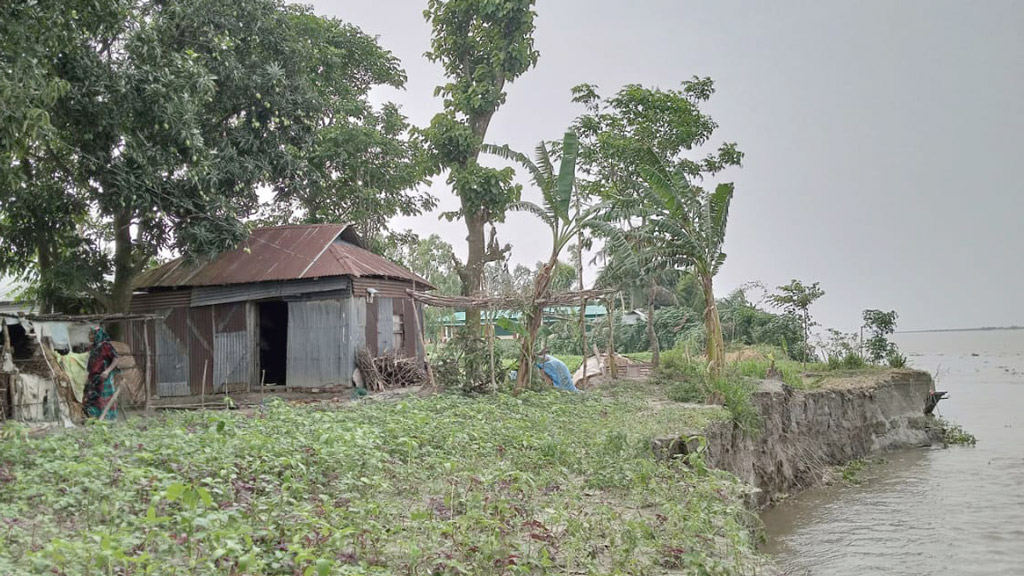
(803,433)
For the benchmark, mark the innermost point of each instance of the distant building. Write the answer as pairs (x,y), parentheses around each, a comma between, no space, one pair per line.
(290,306)
(457,319)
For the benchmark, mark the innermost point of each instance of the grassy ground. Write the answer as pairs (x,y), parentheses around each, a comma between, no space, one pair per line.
(543,483)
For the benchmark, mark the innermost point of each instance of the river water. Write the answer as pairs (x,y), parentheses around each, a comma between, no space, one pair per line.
(956,511)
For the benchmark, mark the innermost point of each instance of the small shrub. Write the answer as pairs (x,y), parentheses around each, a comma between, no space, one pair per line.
(736,393)
(676,366)
(897,360)
(464,364)
(849,360)
(851,472)
(687,391)
(956,435)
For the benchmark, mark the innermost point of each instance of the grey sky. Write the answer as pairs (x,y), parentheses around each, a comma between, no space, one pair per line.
(883,139)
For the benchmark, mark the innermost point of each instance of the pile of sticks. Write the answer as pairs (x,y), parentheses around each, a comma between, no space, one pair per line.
(389,371)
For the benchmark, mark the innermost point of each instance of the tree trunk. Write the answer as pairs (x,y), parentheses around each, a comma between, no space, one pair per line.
(652,334)
(583,304)
(612,368)
(45,264)
(534,320)
(713,326)
(472,279)
(124,265)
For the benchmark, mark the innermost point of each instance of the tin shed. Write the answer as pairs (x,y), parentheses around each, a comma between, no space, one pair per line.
(290,306)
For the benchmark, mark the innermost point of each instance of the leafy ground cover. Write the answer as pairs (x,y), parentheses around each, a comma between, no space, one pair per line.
(543,483)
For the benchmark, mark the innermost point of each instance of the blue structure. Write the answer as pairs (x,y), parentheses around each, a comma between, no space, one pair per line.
(558,372)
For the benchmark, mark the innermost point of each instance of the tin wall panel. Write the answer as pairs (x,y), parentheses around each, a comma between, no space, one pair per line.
(385,288)
(385,325)
(172,355)
(317,342)
(357,325)
(208,296)
(231,362)
(371,327)
(142,303)
(200,350)
(411,341)
(229,317)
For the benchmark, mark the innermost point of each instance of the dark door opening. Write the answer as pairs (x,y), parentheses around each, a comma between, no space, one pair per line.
(273,342)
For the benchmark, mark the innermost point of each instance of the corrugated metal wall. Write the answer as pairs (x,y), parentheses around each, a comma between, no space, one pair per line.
(161,300)
(231,348)
(172,355)
(200,349)
(319,347)
(370,334)
(385,325)
(210,295)
(385,288)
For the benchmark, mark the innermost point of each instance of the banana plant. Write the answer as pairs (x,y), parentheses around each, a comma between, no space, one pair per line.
(557,192)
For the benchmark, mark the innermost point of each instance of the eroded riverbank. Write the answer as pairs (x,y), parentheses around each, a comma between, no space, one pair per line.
(933,511)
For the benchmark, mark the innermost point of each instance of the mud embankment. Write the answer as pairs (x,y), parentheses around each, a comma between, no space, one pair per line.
(804,433)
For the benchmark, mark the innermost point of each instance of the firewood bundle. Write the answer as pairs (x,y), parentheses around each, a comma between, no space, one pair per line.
(389,371)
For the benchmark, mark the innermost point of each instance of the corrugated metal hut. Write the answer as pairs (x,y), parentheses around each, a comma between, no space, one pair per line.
(290,306)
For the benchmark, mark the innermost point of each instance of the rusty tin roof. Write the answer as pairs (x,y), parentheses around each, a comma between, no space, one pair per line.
(281,253)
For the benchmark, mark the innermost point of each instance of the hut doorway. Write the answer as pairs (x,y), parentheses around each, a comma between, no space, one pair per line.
(273,329)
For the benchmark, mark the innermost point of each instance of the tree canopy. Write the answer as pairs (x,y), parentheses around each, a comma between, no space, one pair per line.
(482,45)
(156,124)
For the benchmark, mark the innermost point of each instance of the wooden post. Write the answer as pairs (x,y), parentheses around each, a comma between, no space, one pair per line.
(149,363)
(431,385)
(612,368)
(202,389)
(490,343)
(6,348)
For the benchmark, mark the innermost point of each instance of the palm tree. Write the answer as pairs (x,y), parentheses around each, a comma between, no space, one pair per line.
(687,225)
(557,189)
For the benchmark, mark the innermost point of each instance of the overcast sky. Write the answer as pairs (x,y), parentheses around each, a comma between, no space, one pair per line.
(883,139)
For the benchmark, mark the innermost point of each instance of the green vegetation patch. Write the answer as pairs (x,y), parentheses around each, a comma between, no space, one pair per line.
(542,483)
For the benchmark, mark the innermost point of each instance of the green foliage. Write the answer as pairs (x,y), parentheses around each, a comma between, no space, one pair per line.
(796,299)
(851,472)
(880,325)
(492,485)
(164,119)
(464,364)
(842,352)
(955,435)
(481,45)
(689,379)
(896,360)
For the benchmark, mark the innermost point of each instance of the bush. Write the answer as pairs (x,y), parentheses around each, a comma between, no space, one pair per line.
(464,364)
(691,391)
(677,367)
(848,361)
(897,360)
(736,394)
(956,435)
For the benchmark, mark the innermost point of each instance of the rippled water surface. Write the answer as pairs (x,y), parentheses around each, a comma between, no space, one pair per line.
(956,511)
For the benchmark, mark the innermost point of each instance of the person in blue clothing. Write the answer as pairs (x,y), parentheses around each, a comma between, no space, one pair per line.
(556,371)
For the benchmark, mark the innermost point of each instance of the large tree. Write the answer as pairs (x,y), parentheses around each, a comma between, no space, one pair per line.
(632,137)
(482,45)
(636,129)
(172,114)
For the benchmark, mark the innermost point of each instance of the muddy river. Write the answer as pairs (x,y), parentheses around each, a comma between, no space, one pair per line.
(956,511)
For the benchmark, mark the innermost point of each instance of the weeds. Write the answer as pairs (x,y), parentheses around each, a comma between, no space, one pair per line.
(955,435)
(541,483)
